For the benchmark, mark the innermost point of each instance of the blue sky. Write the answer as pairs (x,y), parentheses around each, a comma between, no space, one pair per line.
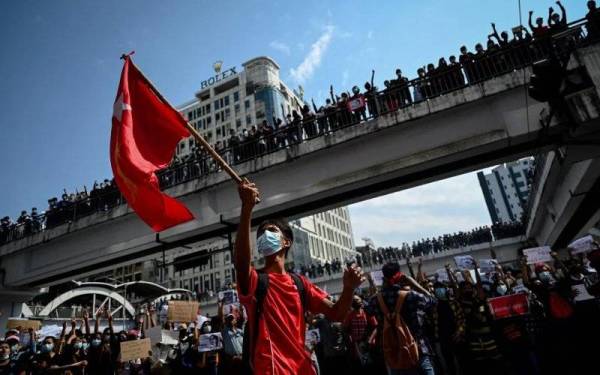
(60,67)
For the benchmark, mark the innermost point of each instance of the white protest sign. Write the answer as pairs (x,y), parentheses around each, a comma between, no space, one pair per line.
(520,288)
(442,275)
(377,277)
(583,245)
(538,254)
(582,293)
(210,342)
(53,330)
(488,265)
(313,336)
(464,262)
(169,337)
(228,297)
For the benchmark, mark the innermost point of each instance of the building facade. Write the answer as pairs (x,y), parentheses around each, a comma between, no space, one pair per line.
(237,100)
(505,190)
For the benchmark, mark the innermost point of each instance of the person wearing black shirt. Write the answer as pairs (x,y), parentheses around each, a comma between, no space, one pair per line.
(593,21)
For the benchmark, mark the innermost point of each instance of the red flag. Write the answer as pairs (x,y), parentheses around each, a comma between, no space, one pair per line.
(145,133)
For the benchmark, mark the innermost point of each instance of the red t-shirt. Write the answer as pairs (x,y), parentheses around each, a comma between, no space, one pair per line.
(279,347)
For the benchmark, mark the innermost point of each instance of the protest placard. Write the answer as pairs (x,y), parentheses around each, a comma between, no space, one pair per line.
(509,306)
(210,342)
(312,337)
(182,311)
(488,265)
(134,349)
(464,262)
(377,277)
(233,309)
(228,297)
(581,293)
(23,324)
(442,275)
(583,245)
(53,330)
(538,254)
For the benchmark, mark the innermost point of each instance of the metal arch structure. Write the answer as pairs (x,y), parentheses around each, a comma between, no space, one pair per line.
(107,293)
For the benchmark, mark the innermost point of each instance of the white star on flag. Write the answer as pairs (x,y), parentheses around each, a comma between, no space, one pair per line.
(119,107)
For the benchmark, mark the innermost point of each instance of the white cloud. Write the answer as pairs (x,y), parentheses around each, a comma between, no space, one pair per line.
(370,34)
(345,77)
(280,46)
(313,59)
(446,206)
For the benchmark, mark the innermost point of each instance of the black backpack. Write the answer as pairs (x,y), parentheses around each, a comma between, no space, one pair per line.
(260,294)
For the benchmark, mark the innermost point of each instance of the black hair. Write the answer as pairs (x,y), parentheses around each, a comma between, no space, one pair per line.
(390,269)
(283,226)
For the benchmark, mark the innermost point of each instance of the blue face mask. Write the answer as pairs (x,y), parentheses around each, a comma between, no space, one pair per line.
(96,343)
(47,348)
(268,243)
(78,345)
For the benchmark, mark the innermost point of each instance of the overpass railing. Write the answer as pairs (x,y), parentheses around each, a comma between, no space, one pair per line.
(349,110)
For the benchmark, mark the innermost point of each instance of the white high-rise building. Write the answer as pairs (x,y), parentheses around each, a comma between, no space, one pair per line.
(237,100)
(505,190)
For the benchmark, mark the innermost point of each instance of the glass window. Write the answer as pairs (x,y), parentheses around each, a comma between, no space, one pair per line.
(190,115)
(236,96)
(226,100)
(238,123)
(248,120)
(217,116)
(208,121)
(222,102)
(237,109)
(247,104)
(227,113)
(216,103)
(208,108)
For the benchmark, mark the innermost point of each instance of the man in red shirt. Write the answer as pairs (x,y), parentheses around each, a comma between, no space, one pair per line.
(278,345)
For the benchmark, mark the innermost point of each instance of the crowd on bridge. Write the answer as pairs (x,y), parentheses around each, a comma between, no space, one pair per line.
(368,257)
(501,54)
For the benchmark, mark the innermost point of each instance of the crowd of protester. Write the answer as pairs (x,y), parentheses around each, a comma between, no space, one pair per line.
(501,54)
(450,319)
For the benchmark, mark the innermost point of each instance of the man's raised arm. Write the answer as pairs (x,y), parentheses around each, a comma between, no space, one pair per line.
(243,252)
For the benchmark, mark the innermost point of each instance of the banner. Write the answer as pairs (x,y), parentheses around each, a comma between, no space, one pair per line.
(210,342)
(377,277)
(581,293)
(538,254)
(509,306)
(488,265)
(464,262)
(228,297)
(442,275)
(583,245)
(312,337)
(182,311)
(23,324)
(134,349)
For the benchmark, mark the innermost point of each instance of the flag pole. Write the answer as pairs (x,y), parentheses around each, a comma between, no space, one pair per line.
(215,155)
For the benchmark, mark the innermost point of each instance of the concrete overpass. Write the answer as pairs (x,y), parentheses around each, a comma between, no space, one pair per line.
(505,249)
(564,203)
(464,130)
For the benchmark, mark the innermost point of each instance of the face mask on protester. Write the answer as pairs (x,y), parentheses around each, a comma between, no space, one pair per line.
(4,357)
(77,345)
(85,346)
(47,348)
(440,293)
(546,277)
(268,243)
(206,328)
(96,343)
(501,289)
(15,348)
